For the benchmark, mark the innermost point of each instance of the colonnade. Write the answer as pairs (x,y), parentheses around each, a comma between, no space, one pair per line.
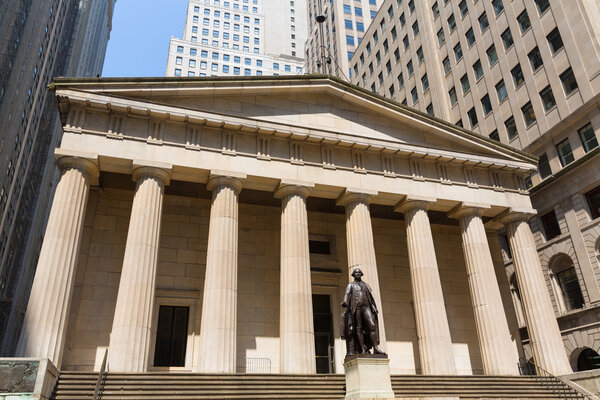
(45,322)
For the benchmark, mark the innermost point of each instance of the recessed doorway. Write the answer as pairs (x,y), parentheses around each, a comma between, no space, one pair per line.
(324,337)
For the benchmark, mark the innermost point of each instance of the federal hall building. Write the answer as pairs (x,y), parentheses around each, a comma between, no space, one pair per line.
(211,225)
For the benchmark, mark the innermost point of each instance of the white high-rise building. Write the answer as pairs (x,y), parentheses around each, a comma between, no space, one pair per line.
(240,37)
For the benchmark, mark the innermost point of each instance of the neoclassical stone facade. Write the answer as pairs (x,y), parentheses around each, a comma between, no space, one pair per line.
(239,205)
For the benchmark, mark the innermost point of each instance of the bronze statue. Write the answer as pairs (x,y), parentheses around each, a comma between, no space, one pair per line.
(360,326)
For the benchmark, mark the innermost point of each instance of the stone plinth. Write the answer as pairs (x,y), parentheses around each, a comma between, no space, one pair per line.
(27,378)
(368,377)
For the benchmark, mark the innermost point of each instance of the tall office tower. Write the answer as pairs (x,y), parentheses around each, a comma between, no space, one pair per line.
(40,40)
(240,37)
(332,41)
(527,74)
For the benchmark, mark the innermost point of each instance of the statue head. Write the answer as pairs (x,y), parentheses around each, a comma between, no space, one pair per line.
(357,274)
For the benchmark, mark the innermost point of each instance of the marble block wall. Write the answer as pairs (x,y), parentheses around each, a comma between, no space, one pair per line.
(180,281)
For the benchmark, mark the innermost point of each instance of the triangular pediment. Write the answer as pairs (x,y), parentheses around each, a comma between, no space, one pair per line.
(315,108)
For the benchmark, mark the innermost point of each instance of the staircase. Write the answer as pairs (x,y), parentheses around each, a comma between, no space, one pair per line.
(176,386)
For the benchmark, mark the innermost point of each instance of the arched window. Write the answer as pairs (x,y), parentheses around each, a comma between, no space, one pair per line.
(566,284)
(588,359)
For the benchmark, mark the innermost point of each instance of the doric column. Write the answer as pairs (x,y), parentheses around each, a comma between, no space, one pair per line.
(498,353)
(297,339)
(544,335)
(361,249)
(435,343)
(45,325)
(132,324)
(217,350)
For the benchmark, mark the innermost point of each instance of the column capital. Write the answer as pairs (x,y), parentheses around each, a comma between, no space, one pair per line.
(287,187)
(467,209)
(412,201)
(161,171)
(86,163)
(226,178)
(515,215)
(352,195)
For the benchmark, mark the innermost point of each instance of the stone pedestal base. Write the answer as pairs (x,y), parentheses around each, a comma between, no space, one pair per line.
(368,377)
(27,378)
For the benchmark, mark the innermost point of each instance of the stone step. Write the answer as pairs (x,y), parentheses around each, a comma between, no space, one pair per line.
(189,386)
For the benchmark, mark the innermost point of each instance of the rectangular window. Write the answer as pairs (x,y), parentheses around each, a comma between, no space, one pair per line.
(415,28)
(171,336)
(193,52)
(348,24)
(458,52)
(350,40)
(386,46)
(425,82)
(492,55)
(453,98)
(494,135)
(565,154)
(588,137)
(554,40)
(498,6)
(429,109)
(411,6)
(464,10)
(402,20)
(180,49)
(535,58)
(451,23)
(483,22)
(358,11)
(478,69)
(593,199)
(568,81)
(511,128)
(440,36)
(523,20)
(410,68)
(464,82)
(501,90)
(550,225)
(542,5)
(528,114)
(473,117)
(486,104)
(446,63)
(547,98)
(347,9)
(507,38)
(517,74)
(400,80)
(470,37)
(360,27)
(420,55)
(405,42)
(544,166)
(436,10)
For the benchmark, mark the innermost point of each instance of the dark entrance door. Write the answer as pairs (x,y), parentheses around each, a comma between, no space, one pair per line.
(171,336)
(324,338)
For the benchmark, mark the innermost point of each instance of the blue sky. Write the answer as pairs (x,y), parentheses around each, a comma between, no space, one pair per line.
(139,40)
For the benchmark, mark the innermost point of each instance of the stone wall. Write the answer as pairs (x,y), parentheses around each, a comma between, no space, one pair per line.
(182,258)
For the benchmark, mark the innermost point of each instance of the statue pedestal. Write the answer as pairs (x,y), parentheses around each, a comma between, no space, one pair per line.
(368,377)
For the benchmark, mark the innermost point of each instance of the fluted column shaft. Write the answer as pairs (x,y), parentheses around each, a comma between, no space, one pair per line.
(498,353)
(219,306)
(433,331)
(132,324)
(297,338)
(45,324)
(361,249)
(544,335)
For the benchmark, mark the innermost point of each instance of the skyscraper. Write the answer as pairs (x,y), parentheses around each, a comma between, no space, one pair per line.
(240,37)
(332,41)
(41,40)
(524,73)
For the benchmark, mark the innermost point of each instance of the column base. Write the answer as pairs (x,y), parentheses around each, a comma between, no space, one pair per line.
(368,377)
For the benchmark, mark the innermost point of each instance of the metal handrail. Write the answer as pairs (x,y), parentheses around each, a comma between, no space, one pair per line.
(549,381)
(100,376)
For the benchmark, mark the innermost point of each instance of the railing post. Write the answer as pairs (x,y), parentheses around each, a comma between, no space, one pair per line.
(100,375)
